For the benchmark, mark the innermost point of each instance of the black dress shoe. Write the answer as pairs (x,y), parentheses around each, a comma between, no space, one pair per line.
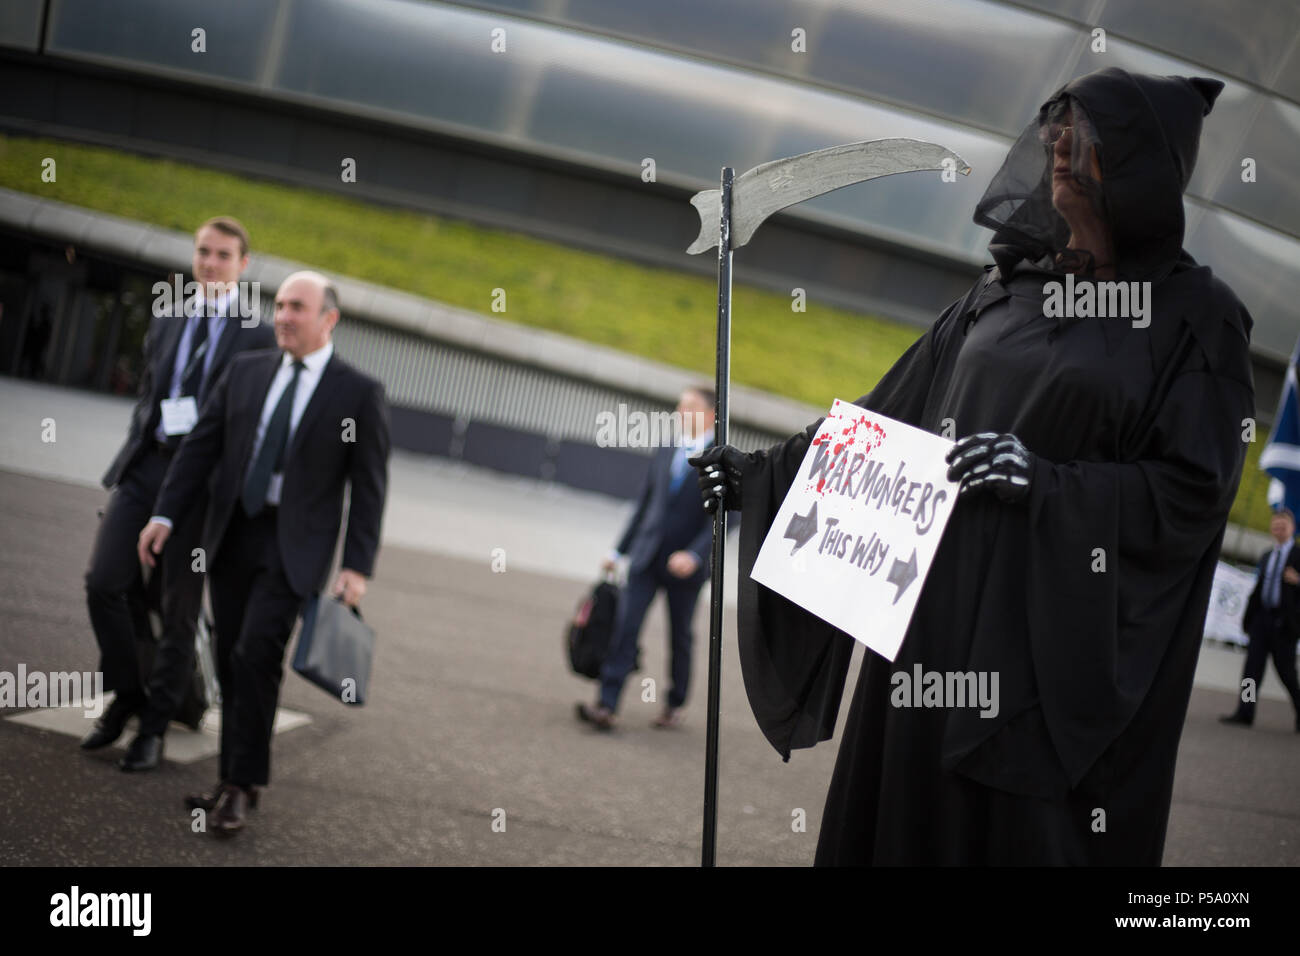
(204,801)
(231,811)
(1235,719)
(208,801)
(109,727)
(145,753)
(601,717)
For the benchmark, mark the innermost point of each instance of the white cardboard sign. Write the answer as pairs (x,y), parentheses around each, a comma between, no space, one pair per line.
(859,528)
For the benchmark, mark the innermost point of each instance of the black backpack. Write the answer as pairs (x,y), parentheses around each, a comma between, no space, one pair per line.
(588,634)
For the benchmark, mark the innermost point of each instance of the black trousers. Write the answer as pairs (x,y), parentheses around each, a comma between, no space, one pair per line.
(115,589)
(1269,636)
(254,610)
(624,643)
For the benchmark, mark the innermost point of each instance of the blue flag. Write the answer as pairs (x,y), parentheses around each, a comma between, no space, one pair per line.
(1281,456)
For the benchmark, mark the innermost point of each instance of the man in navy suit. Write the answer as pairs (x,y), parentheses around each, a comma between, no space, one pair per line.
(667,542)
(1272,619)
(188,347)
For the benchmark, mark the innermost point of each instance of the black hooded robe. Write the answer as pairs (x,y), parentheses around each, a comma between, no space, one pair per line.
(1088,599)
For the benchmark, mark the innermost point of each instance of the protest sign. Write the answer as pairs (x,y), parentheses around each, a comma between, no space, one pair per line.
(859,528)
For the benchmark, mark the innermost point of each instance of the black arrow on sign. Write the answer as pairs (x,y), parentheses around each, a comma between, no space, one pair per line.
(802,529)
(902,574)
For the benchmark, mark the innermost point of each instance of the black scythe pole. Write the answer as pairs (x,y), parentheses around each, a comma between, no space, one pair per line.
(710,843)
(783,183)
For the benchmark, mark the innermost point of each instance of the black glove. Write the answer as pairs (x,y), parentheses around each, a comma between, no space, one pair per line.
(721,469)
(991,462)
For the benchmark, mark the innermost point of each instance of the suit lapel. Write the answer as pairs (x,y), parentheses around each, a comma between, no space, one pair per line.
(224,344)
(319,399)
(264,376)
(687,483)
(170,342)
(671,494)
(664,465)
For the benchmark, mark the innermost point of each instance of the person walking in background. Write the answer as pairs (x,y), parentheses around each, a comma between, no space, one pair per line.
(186,350)
(667,542)
(283,434)
(1272,620)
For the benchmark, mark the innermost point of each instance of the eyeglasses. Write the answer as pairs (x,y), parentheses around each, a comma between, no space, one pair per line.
(1052,133)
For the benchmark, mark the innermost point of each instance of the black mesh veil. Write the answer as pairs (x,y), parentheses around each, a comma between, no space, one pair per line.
(1018,204)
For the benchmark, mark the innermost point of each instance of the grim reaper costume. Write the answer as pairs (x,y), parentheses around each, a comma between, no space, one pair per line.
(1086,593)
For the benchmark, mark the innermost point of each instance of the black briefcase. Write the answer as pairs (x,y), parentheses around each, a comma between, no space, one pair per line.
(146,606)
(587,637)
(335,648)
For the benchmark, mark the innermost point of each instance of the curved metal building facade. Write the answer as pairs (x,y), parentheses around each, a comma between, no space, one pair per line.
(598,86)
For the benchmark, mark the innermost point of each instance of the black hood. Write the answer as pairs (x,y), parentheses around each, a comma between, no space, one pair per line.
(1146,130)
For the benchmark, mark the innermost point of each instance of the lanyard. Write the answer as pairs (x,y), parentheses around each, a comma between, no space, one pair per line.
(196,356)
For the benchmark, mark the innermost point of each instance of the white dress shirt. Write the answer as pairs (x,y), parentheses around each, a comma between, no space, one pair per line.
(690,448)
(314,364)
(214,313)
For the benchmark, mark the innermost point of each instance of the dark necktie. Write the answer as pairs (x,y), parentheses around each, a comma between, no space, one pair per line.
(270,457)
(192,377)
(1274,589)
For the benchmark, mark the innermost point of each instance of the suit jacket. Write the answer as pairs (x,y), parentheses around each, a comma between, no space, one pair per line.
(160,344)
(318,464)
(666,520)
(1290,603)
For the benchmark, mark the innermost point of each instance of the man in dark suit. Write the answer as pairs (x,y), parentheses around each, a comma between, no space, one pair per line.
(188,346)
(282,435)
(1272,620)
(668,543)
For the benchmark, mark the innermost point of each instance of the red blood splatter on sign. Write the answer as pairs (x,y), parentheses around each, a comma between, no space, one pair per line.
(853,418)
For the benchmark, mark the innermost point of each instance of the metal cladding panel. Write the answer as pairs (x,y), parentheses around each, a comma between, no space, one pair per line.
(1247,257)
(613,471)
(160,34)
(1249,41)
(505,449)
(20,24)
(425,375)
(420,431)
(1273,195)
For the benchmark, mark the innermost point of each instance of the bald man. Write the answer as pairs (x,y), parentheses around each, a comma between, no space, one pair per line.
(282,434)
